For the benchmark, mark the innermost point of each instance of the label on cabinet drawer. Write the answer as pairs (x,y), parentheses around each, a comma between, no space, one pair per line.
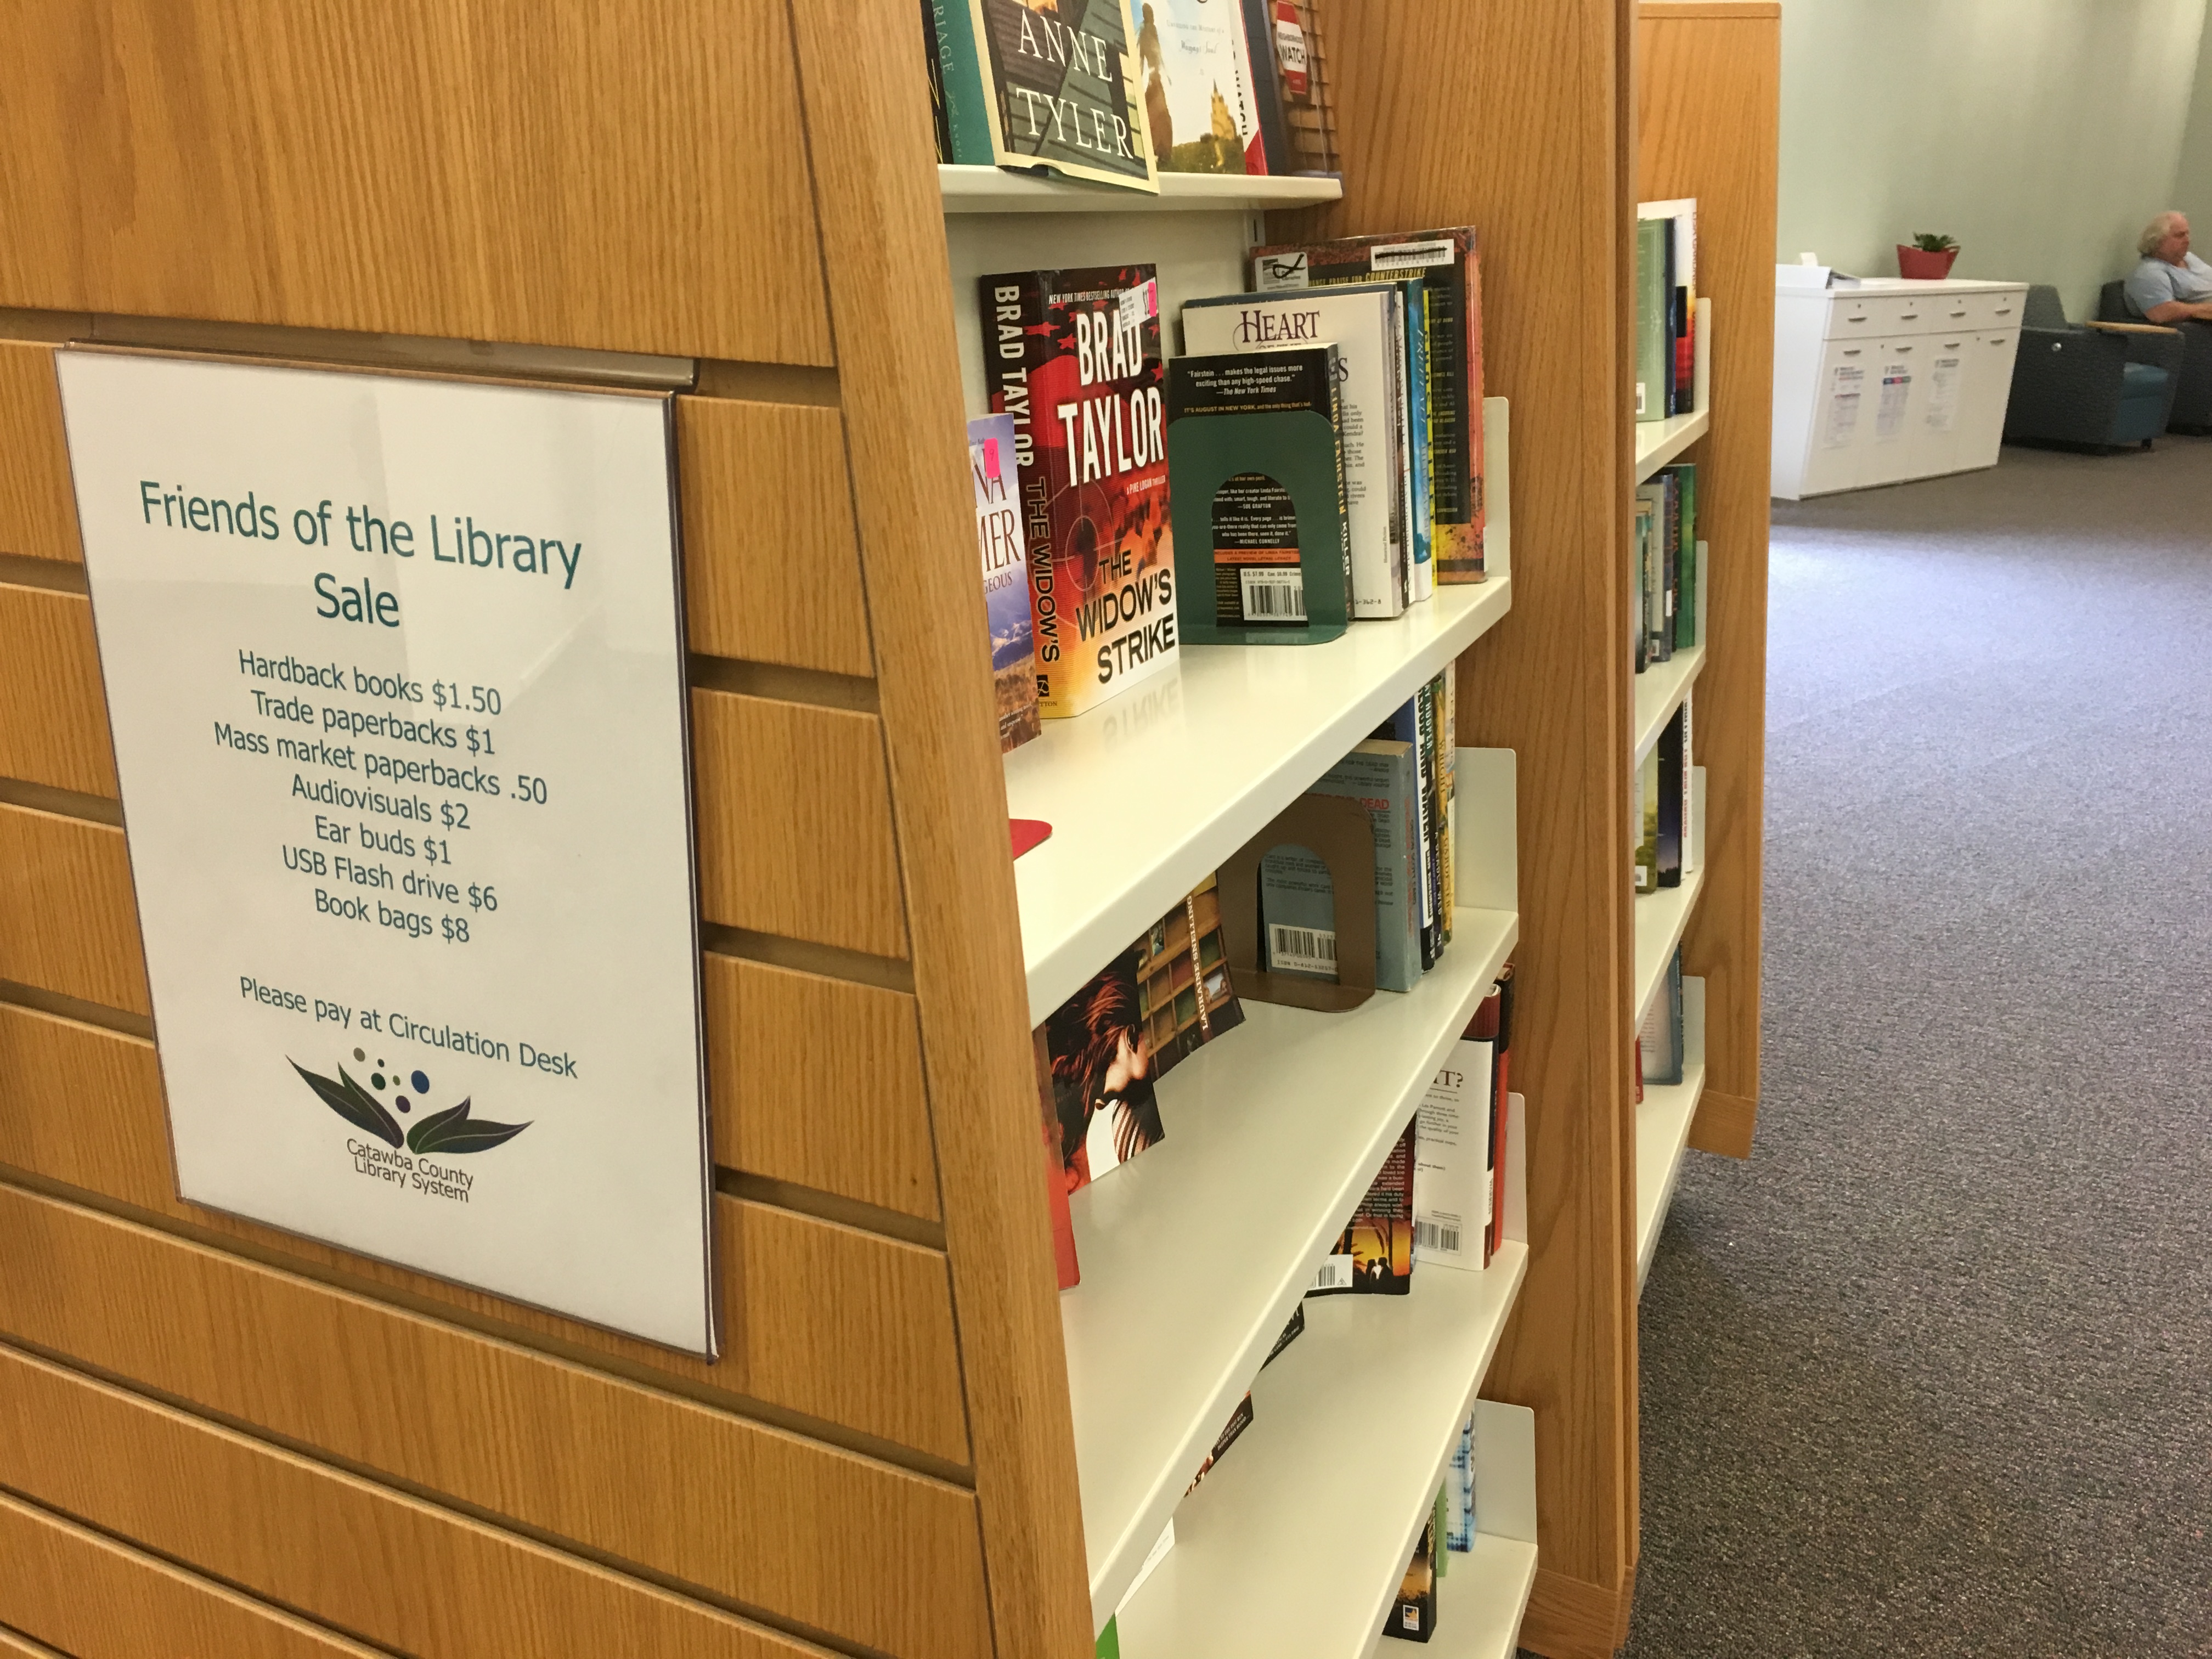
(1896,389)
(1943,377)
(1845,386)
(395,672)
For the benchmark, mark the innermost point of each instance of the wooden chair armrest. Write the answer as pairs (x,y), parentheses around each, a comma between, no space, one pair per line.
(2132,328)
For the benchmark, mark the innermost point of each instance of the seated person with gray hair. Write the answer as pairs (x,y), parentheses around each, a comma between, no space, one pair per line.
(2170,284)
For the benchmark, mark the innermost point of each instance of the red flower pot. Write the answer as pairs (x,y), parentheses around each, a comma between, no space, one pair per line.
(1924,265)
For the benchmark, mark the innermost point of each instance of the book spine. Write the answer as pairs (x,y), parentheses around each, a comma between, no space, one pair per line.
(1662,642)
(1424,745)
(1689,792)
(1501,1102)
(967,106)
(1402,454)
(1421,511)
(1669,852)
(1268,85)
(1448,760)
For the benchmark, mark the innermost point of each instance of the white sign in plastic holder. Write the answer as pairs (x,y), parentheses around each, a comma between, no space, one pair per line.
(395,672)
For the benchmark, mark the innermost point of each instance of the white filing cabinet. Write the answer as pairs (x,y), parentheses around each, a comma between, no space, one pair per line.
(1889,380)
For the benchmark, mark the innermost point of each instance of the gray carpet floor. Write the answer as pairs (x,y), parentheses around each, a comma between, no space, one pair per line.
(1931,1373)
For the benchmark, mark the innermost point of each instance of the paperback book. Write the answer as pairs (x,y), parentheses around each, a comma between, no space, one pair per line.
(1452,1177)
(1073,356)
(1201,98)
(1366,324)
(1493,1025)
(1294,115)
(1449,266)
(1262,549)
(1005,578)
(1045,87)
(1413,1614)
(1298,905)
(1375,1252)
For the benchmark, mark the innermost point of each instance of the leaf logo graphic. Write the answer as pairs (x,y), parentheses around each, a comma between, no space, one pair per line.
(453,1131)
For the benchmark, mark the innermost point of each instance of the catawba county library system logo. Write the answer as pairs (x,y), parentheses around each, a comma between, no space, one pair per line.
(449,1134)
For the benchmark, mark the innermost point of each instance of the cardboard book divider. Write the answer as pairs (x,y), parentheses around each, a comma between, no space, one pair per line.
(1338,832)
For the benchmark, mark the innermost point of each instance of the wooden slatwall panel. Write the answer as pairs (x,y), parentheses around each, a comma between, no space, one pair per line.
(1709,82)
(476,169)
(765,1518)
(389,1568)
(1510,118)
(97,1598)
(883,233)
(38,508)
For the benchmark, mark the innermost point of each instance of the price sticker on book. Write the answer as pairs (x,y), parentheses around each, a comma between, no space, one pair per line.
(395,672)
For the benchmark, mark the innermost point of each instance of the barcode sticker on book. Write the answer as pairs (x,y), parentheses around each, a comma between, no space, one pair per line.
(1335,1274)
(1435,1235)
(1412,256)
(1300,950)
(1274,594)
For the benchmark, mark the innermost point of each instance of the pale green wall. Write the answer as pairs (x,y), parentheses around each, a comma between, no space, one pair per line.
(2040,133)
(2193,176)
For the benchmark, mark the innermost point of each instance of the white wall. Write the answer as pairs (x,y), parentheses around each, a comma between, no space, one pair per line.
(2040,133)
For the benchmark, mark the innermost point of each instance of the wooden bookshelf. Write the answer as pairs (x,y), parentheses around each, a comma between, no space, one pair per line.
(211,1404)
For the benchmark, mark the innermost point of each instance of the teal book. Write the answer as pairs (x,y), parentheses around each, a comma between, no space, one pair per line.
(1686,605)
(1297,907)
(1651,237)
(967,120)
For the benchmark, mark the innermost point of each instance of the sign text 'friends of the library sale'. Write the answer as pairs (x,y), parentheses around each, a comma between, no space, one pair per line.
(394,667)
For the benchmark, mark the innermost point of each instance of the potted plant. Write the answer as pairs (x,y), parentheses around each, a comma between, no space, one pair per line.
(1929,258)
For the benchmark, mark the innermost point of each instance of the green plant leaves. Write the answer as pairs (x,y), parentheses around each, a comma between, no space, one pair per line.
(354,1103)
(452,1132)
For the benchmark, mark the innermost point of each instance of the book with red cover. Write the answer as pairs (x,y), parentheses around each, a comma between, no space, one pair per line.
(1376,1252)
(1451,264)
(1074,357)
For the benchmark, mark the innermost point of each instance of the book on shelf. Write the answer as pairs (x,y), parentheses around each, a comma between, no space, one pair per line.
(1646,778)
(1256,453)
(1045,88)
(940,118)
(1642,525)
(1449,268)
(1291,1331)
(1239,1420)
(1494,1023)
(1066,1265)
(1659,1038)
(1374,1252)
(1445,691)
(1657,493)
(1108,1045)
(1298,906)
(1413,1614)
(1005,578)
(1689,786)
(1684,474)
(1666,562)
(1414,722)
(1296,122)
(1453,1191)
(1672,764)
(1653,243)
(1366,324)
(1459,1530)
(1201,97)
(1074,357)
(1681,218)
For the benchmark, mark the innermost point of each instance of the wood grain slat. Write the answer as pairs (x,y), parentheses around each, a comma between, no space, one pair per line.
(1723,1124)
(1709,82)
(771,566)
(475,169)
(795,823)
(53,714)
(762,1516)
(318,1540)
(68,920)
(882,242)
(22,1647)
(824,1320)
(817,1081)
(38,503)
(98,1599)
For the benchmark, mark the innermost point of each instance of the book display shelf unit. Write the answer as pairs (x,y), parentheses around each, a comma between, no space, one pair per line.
(911,1446)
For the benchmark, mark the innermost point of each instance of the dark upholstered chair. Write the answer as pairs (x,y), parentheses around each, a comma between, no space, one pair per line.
(2102,385)
(2192,399)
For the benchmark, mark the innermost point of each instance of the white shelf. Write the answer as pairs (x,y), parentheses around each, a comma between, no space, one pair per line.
(1193,1256)
(1658,442)
(1662,1131)
(997,189)
(1480,1602)
(1660,919)
(1659,689)
(1298,1542)
(1148,793)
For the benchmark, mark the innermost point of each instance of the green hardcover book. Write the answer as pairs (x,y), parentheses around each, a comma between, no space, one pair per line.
(966,117)
(1651,236)
(1685,605)
(1639,586)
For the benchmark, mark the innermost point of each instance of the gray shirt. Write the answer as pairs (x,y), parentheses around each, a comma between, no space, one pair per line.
(2154,282)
